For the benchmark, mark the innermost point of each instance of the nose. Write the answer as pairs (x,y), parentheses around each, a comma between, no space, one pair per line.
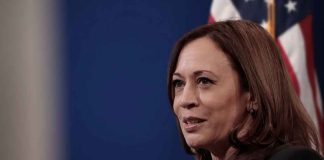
(189,97)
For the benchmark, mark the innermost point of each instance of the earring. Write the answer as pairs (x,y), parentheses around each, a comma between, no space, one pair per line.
(252,109)
(252,112)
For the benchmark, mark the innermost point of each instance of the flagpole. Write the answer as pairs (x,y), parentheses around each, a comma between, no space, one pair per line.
(271,18)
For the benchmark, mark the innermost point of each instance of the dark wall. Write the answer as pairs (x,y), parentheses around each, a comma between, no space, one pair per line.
(318,37)
(116,58)
(117,55)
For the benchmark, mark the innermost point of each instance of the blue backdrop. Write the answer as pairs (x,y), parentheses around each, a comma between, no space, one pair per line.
(116,58)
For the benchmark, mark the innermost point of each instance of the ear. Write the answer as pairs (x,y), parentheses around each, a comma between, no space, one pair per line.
(251,105)
(246,98)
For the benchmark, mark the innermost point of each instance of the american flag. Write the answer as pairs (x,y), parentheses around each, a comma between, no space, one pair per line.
(293,34)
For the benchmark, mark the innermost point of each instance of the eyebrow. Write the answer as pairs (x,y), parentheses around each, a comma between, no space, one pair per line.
(200,72)
(177,74)
(196,73)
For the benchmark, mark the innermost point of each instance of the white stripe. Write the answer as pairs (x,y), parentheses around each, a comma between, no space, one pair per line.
(223,10)
(293,43)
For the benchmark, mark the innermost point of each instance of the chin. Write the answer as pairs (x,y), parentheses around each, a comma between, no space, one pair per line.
(195,141)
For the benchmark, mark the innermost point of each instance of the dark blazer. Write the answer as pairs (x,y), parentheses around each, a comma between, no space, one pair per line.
(295,153)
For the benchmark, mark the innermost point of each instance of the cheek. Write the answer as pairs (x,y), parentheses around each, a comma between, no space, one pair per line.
(215,100)
(175,107)
(223,108)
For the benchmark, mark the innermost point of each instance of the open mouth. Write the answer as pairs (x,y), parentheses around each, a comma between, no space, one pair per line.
(192,120)
(192,124)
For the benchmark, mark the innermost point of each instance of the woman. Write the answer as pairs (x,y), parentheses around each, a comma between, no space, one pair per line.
(232,97)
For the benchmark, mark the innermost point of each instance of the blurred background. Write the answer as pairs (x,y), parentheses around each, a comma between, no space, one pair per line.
(86,80)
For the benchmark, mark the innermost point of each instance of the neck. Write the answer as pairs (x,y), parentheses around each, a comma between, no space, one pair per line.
(223,154)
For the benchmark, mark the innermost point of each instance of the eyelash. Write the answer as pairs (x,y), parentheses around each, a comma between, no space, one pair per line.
(205,81)
(201,80)
(177,82)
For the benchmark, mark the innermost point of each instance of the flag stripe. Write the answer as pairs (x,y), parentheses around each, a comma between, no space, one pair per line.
(290,69)
(211,19)
(306,31)
(295,51)
(319,97)
(223,10)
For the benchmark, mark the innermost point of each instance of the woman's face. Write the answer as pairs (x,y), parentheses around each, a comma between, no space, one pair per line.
(208,100)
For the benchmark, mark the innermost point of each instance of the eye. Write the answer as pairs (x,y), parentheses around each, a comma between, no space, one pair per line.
(177,83)
(205,81)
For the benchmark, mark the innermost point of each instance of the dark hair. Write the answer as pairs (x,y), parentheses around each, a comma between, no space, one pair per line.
(280,117)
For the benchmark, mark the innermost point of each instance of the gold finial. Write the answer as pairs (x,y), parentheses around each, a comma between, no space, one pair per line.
(271,17)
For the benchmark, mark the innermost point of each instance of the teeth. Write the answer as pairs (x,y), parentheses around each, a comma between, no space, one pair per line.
(192,121)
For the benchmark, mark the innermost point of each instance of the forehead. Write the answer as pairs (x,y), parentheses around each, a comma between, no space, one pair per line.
(202,54)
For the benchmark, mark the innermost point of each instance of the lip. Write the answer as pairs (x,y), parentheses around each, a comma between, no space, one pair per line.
(192,124)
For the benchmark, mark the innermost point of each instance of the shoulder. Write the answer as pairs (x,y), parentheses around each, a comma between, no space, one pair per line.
(295,153)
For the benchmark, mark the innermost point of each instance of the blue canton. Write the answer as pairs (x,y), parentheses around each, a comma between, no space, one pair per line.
(288,12)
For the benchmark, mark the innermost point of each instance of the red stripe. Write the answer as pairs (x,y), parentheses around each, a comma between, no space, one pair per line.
(289,67)
(211,19)
(306,29)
